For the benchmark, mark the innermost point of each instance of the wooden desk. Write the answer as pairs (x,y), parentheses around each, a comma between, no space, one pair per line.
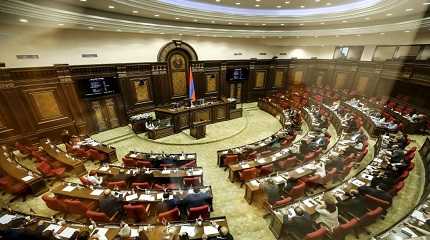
(185,117)
(103,148)
(154,175)
(198,131)
(18,172)
(74,166)
(156,159)
(160,132)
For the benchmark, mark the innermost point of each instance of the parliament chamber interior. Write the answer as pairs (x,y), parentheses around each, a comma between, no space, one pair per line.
(214,119)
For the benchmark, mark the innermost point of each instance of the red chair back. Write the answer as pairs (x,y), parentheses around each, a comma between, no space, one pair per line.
(370,200)
(189,164)
(169,216)
(282,202)
(141,185)
(397,188)
(53,203)
(343,229)
(97,216)
(370,217)
(145,164)
(248,174)
(309,157)
(135,212)
(298,190)
(317,235)
(201,211)
(230,159)
(117,184)
(191,181)
(129,162)
(287,163)
(75,207)
(266,169)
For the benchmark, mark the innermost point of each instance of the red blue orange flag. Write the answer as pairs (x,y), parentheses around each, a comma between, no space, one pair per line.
(191,91)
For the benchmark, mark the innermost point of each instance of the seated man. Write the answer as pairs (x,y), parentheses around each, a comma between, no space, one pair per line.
(376,192)
(299,225)
(110,204)
(167,203)
(355,205)
(271,190)
(196,199)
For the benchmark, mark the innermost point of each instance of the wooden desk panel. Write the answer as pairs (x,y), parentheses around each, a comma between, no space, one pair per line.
(75,166)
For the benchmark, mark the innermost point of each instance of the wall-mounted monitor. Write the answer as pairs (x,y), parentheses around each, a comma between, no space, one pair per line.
(98,87)
(237,74)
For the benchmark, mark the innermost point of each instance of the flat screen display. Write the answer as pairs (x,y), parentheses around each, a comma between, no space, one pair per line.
(98,87)
(237,74)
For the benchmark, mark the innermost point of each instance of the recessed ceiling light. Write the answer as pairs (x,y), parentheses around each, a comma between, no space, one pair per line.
(111,7)
(212,21)
(230,36)
(302,6)
(177,18)
(389,14)
(230,23)
(407,31)
(282,24)
(60,24)
(156,15)
(328,4)
(161,33)
(344,21)
(90,27)
(180,34)
(301,24)
(317,0)
(278,6)
(198,35)
(426,3)
(238,3)
(119,30)
(257,0)
(382,33)
(358,35)
(23,20)
(287,2)
(368,18)
(247,24)
(409,9)
(195,20)
(83,0)
(218,0)
(263,24)
(322,23)
(135,11)
(257,5)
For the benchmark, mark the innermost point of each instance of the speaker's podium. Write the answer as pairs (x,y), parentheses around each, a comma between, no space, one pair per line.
(198,130)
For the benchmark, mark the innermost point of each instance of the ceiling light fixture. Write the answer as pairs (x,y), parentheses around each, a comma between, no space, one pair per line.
(238,3)
(60,24)
(135,11)
(257,5)
(328,4)
(302,6)
(409,9)
(111,7)
(90,27)
(156,15)
(23,20)
(389,14)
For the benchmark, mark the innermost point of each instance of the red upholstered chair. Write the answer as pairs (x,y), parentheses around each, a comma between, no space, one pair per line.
(191,181)
(369,218)
(266,169)
(189,164)
(282,202)
(23,149)
(411,150)
(411,166)
(329,176)
(317,234)
(376,202)
(78,207)
(137,212)
(345,171)
(349,159)
(397,188)
(96,155)
(145,164)
(16,187)
(230,159)
(311,181)
(403,176)
(362,154)
(53,203)
(252,155)
(157,186)
(5,181)
(309,157)
(99,216)
(318,152)
(129,162)
(201,211)
(117,185)
(287,163)
(84,181)
(171,186)
(409,157)
(167,165)
(298,190)
(169,216)
(247,174)
(48,171)
(342,230)
(141,185)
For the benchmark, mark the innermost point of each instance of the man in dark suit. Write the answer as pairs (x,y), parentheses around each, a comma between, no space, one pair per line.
(271,190)
(167,204)
(110,204)
(355,205)
(376,192)
(196,199)
(299,225)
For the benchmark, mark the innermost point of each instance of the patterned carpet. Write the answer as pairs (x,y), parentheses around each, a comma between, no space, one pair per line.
(245,221)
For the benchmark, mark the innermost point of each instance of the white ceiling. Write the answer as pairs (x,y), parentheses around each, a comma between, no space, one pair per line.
(272,18)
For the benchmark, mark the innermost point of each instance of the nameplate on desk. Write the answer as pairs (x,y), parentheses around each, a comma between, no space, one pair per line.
(97,192)
(145,197)
(197,172)
(181,157)
(133,155)
(191,156)
(300,170)
(254,183)
(358,183)
(309,203)
(244,165)
(261,160)
(101,231)
(68,189)
(131,197)
(165,172)
(27,178)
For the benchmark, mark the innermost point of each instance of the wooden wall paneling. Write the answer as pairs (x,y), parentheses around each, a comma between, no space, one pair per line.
(223,84)
(12,122)
(420,75)
(137,82)
(260,79)
(161,84)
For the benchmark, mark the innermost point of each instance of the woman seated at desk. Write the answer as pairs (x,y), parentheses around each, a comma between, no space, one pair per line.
(328,212)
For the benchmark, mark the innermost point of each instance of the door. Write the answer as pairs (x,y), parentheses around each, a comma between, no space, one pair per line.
(105,114)
(236,91)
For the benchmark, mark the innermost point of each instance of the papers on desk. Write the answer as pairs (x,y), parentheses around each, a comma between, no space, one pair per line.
(278,179)
(67,232)
(358,183)
(367,177)
(131,197)
(210,230)
(145,197)
(159,196)
(134,232)
(101,231)
(7,218)
(261,160)
(187,229)
(190,156)
(96,192)
(278,154)
(408,232)
(165,172)
(181,157)
(69,189)
(246,165)
(300,170)
(197,172)
(419,216)
(291,213)
(133,155)
(53,227)
(254,183)
(104,169)
(27,178)
(309,203)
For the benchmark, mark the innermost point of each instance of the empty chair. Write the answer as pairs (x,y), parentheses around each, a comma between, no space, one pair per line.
(309,157)
(137,212)
(411,166)
(129,162)
(141,185)
(230,159)
(78,207)
(53,203)
(247,174)
(369,218)
(311,181)
(298,190)
(191,181)
(282,202)
(287,163)
(167,165)
(189,164)
(9,185)
(197,212)
(96,155)
(117,185)
(169,216)
(329,176)
(99,216)
(266,169)
(397,188)
(49,171)
(144,164)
